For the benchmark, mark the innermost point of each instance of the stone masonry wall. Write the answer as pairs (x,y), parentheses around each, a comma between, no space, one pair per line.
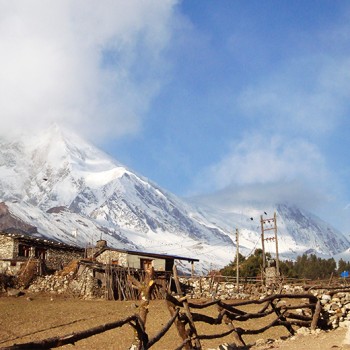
(108,256)
(57,258)
(208,287)
(6,247)
(11,269)
(335,307)
(82,284)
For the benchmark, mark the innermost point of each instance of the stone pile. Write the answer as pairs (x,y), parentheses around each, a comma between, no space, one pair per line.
(83,285)
(212,287)
(335,307)
(208,287)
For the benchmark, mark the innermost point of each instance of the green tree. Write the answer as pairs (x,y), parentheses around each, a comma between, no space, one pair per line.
(305,266)
(287,269)
(230,269)
(343,266)
(312,267)
(249,267)
(253,264)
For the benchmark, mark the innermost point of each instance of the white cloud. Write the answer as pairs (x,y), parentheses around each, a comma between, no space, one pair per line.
(254,195)
(304,99)
(269,169)
(267,159)
(94,65)
(308,95)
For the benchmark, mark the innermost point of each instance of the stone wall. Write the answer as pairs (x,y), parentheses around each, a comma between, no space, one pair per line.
(78,284)
(108,256)
(56,259)
(209,287)
(336,307)
(129,260)
(7,247)
(11,268)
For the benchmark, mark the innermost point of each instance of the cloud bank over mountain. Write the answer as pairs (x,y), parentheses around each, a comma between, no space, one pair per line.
(92,65)
(196,95)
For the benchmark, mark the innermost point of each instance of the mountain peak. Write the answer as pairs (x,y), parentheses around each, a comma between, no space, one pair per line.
(61,170)
(54,128)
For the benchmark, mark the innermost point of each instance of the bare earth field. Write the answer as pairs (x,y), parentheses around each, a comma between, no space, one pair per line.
(25,319)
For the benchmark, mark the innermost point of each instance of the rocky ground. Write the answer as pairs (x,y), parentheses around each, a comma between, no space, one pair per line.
(332,340)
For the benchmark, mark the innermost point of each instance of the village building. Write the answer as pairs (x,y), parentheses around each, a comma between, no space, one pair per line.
(135,259)
(109,269)
(17,248)
(93,272)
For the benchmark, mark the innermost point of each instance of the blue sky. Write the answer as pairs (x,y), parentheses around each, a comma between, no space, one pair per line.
(198,96)
(256,95)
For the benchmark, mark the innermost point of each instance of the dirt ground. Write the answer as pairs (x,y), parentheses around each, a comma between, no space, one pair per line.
(33,318)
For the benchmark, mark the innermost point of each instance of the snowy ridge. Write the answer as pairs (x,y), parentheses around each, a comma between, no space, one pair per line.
(299,231)
(73,192)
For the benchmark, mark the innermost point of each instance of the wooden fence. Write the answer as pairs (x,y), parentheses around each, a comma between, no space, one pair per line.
(119,287)
(184,315)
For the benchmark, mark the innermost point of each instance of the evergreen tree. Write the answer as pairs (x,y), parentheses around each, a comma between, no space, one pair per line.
(305,266)
(249,267)
(230,269)
(343,266)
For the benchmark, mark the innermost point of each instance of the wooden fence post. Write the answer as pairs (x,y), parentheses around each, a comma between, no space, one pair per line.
(236,336)
(316,316)
(193,329)
(145,289)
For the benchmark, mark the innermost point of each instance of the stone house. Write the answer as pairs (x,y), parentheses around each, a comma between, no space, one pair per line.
(110,268)
(136,259)
(105,274)
(17,249)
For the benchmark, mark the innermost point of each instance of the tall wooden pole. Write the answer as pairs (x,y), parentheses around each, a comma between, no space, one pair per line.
(237,259)
(276,240)
(263,242)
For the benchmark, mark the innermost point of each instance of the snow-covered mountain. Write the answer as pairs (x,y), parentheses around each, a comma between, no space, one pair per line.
(64,188)
(71,191)
(299,231)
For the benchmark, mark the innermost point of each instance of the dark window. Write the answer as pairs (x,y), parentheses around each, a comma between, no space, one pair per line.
(40,253)
(169,264)
(146,264)
(24,250)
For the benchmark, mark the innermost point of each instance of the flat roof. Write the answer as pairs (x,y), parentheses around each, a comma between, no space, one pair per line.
(22,236)
(152,255)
